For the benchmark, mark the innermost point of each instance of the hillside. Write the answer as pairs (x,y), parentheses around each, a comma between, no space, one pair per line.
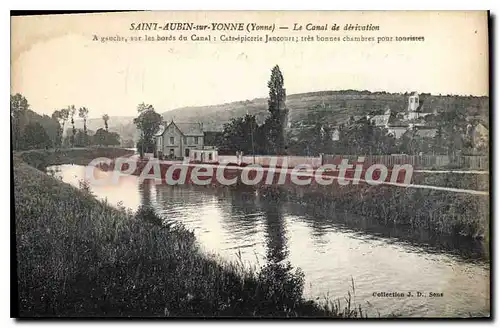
(338,106)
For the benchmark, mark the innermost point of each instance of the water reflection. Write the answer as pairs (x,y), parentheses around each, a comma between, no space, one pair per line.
(242,217)
(146,192)
(330,247)
(276,234)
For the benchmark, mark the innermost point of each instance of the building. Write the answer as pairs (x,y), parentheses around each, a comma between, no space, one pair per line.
(176,140)
(397,129)
(335,134)
(381,120)
(206,155)
(479,134)
(398,124)
(414,110)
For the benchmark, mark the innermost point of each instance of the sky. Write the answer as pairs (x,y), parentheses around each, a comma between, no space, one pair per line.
(56,63)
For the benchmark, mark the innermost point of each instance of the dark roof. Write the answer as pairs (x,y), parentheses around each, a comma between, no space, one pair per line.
(187,129)
(190,129)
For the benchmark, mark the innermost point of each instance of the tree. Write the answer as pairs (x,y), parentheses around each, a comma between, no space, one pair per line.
(361,137)
(148,123)
(83,112)
(144,107)
(18,103)
(103,137)
(50,125)
(100,137)
(113,139)
(105,118)
(241,134)
(35,137)
(451,136)
(61,116)
(80,138)
(315,135)
(276,121)
(72,111)
(18,108)
(408,143)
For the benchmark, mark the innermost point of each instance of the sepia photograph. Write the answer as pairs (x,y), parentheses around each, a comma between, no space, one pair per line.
(251,164)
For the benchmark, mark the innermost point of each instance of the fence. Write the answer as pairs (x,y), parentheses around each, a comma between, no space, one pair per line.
(282,161)
(418,162)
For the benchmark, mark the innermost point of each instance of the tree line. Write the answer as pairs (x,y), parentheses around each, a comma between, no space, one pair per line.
(33,131)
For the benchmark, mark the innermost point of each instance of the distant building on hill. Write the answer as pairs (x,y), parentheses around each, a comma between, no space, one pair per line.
(479,134)
(398,123)
(414,110)
(398,129)
(380,120)
(335,134)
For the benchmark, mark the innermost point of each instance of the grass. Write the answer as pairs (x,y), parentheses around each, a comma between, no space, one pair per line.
(77,256)
(438,212)
(453,180)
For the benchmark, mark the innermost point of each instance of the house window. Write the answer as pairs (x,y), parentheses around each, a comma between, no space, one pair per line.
(172,140)
(209,156)
(185,140)
(195,140)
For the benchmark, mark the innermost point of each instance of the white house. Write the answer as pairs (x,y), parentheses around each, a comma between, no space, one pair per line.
(206,155)
(176,140)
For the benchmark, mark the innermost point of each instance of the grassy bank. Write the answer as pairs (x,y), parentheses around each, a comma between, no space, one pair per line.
(453,180)
(40,159)
(78,256)
(439,212)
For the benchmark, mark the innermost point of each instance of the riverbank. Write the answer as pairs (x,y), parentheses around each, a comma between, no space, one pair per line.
(78,256)
(421,210)
(40,158)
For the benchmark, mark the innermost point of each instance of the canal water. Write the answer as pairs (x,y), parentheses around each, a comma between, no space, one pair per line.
(330,250)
